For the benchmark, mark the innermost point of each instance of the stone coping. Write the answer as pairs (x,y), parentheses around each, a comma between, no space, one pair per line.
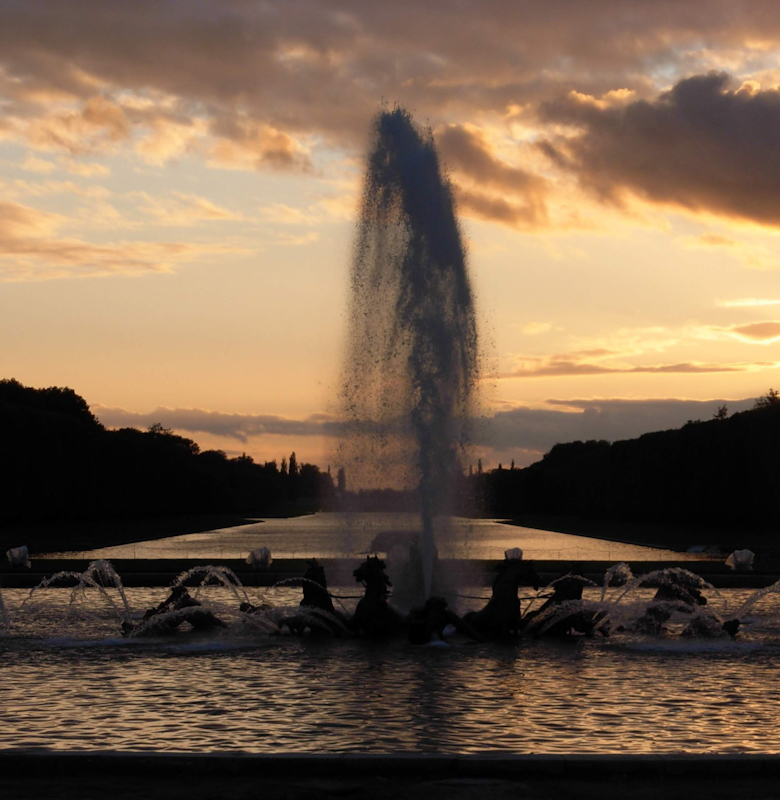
(400,766)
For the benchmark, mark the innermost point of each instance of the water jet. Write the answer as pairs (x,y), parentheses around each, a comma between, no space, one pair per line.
(412,359)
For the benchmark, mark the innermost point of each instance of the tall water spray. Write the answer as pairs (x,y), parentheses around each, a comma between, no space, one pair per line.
(412,361)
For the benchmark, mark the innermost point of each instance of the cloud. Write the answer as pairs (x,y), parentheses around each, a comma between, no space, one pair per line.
(757,332)
(519,432)
(85,169)
(313,68)
(751,255)
(592,362)
(243,143)
(749,302)
(30,250)
(700,146)
(535,328)
(232,426)
(472,159)
(94,127)
(39,165)
(183,210)
(533,431)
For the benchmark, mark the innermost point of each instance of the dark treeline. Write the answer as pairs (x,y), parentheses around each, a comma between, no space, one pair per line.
(59,463)
(724,472)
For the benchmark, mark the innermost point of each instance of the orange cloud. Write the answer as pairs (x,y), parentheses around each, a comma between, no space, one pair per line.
(185,209)
(484,180)
(757,332)
(30,251)
(588,363)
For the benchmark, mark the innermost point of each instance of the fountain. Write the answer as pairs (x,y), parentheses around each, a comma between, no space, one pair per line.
(411,365)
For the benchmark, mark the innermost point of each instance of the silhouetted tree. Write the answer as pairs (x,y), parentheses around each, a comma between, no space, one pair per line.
(770,400)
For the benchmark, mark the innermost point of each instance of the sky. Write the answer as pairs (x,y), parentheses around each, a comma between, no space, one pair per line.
(179,184)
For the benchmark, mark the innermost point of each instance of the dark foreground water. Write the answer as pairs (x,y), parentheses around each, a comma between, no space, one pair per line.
(68,681)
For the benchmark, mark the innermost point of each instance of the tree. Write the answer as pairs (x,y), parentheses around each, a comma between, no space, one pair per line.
(293,468)
(721,413)
(341,480)
(770,400)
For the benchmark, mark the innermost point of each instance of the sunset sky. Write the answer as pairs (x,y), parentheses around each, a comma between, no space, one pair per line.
(179,186)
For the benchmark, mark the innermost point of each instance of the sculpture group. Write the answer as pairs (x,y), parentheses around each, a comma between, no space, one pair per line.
(557,610)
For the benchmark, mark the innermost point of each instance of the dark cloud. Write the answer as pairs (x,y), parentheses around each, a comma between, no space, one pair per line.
(218,423)
(521,433)
(469,156)
(702,146)
(316,67)
(526,433)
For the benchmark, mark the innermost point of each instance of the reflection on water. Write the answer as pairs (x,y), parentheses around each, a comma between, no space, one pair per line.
(69,682)
(331,535)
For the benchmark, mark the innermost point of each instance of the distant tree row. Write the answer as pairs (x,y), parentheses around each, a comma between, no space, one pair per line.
(59,463)
(721,472)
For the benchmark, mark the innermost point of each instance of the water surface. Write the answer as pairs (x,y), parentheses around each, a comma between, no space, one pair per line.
(71,683)
(338,535)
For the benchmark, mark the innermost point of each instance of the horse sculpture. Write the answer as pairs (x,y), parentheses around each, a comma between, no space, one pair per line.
(374,616)
(165,618)
(501,617)
(427,623)
(318,612)
(565,612)
(681,591)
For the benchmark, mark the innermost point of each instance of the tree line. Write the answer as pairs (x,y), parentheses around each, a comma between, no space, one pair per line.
(59,462)
(720,472)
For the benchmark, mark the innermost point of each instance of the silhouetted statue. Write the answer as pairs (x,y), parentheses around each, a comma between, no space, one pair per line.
(680,591)
(708,625)
(677,591)
(565,612)
(374,616)
(317,598)
(166,617)
(501,617)
(426,623)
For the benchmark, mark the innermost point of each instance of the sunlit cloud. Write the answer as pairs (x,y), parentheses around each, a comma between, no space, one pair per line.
(751,255)
(31,251)
(749,302)
(484,179)
(182,210)
(756,332)
(40,165)
(602,362)
(535,328)
(85,169)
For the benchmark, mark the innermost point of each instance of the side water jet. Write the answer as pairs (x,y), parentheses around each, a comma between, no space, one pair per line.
(412,358)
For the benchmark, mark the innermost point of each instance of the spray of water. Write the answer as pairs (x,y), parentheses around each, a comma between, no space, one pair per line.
(411,366)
